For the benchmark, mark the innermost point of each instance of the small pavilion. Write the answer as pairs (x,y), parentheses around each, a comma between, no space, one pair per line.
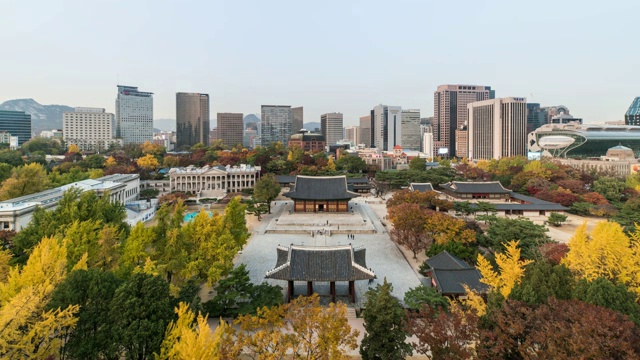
(321,264)
(449,274)
(321,194)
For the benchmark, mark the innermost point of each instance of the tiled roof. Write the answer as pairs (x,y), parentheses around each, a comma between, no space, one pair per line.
(488,187)
(445,260)
(321,188)
(320,263)
(422,187)
(451,281)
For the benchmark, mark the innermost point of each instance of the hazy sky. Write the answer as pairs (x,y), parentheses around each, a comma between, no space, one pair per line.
(344,56)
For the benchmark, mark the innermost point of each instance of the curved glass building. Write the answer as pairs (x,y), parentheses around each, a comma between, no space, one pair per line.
(582,140)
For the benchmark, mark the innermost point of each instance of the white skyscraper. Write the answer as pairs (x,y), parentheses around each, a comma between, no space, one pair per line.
(497,128)
(331,127)
(88,128)
(134,115)
(386,123)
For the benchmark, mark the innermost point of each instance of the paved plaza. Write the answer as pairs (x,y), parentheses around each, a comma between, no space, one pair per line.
(383,256)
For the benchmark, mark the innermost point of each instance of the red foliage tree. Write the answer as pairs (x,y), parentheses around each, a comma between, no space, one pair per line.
(443,335)
(562,197)
(595,198)
(408,227)
(575,186)
(561,329)
(553,252)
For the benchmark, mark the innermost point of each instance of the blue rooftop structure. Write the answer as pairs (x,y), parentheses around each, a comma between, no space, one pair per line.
(632,117)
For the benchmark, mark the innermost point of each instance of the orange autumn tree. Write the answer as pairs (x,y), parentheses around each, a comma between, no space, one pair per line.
(301,328)
(408,227)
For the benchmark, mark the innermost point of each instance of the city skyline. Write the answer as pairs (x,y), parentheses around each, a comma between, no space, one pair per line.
(573,66)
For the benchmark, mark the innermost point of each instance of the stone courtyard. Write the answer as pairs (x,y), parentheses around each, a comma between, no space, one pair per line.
(383,256)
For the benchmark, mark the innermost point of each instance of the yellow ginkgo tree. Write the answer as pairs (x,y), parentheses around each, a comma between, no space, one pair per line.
(606,252)
(27,331)
(510,272)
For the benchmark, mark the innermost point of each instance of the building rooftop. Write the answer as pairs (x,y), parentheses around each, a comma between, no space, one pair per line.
(488,187)
(450,273)
(634,109)
(422,187)
(447,261)
(320,263)
(321,188)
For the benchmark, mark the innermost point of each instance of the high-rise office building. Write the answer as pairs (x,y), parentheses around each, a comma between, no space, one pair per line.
(88,128)
(16,123)
(230,128)
(297,122)
(275,123)
(632,116)
(352,133)
(365,131)
(536,116)
(192,119)
(386,127)
(410,129)
(450,113)
(497,128)
(331,127)
(134,115)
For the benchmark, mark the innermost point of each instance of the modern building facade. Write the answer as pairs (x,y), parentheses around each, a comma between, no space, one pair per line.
(365,131)
(536,116)
(582,140)
(410,129)
(134,115)
(450,113)
(331,127)
(192,119)
(231,128)
(297,122)
(632,116)
(226,179)
(276,124)
(308,141)
(16,123)
(91,129)
(352,133)
(386,127)
(497,128)
(16,213)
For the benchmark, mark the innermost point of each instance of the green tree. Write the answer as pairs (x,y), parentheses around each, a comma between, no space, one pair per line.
(351,164)
(266,190)
(384,322)
(94,162)
(422,295)
(93,336)
(418,164)
(609,187)
(541,281)
(24,180)
(629,214)
(485,207)
(503,230)
(236,222)
(140,311)
(236,295)
(465,251)
(149,193)
(464,208)
(11,157)
(5,171)
(603,292)
(556,219)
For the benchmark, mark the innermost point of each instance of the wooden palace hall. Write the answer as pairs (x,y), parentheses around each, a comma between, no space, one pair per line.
(321,194)
(321,264)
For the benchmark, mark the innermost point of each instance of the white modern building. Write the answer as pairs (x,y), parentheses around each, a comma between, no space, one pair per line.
(386,127)
(427,144)
(331,127)
(497,128)
(16,213)
(134,115)
(410,129)
(213,181)
(88,128)
(352,133)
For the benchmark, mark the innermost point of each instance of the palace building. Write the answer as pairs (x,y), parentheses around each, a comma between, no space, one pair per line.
(321,194)
(321,264)
(226,179)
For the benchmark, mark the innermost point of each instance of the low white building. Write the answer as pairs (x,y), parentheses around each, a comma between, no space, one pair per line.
(218,178)
(16,213)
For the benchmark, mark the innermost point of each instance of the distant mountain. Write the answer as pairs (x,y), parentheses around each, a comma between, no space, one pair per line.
(43,117)
(251,118)
(168,124)
(311,126)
